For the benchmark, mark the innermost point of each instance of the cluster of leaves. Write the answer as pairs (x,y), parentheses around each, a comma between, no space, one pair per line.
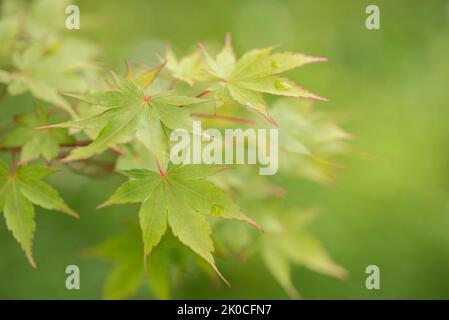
(78,118)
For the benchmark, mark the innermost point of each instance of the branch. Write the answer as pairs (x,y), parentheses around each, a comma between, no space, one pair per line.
(224,118)
(62,145)
(4,93)
(162,172)
(13,163)
(202,94)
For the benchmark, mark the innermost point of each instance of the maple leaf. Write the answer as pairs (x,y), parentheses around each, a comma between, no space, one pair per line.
(9,28)
(131,112)
(129,271)
(35,143)
(256,72)
(46,71)
(18,192)
(285,242)
(180,198)
(189,68)
(308,140)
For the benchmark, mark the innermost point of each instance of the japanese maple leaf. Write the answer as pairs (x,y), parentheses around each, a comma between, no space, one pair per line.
(131,112)
(35,143)
(256,72)
(180,198)
(189,68)
(46,71)
(21,189)
(287,242)
(128,273)
(309,140)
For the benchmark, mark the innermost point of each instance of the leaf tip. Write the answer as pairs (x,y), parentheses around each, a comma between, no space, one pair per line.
(103,205)
(31,260)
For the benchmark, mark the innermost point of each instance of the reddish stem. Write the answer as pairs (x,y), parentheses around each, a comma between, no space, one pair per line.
(162,172)
(202,94)
(13,163)
(220,117)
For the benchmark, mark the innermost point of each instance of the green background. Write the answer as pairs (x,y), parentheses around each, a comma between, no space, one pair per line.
(388,87)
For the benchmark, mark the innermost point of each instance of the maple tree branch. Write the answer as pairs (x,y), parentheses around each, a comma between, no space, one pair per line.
(62,145)
(81,143)
(106,166)
(13,163)
(3,94)
(202,94)
(220,117)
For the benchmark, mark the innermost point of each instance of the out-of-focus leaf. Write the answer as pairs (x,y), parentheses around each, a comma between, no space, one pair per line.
(190,68)
(128,274)
(36,143)
(308,140)
(287,242)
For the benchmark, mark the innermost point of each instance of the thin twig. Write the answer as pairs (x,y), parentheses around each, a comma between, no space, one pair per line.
(221,117)
(13,163)
(202,94)
(4,93)
(62,145)
(162,172)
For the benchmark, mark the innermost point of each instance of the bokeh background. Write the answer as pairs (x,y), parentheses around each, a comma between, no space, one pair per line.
(388,87)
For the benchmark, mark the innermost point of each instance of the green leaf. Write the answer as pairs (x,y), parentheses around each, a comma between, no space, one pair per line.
(305,249)
(279,267)
(249,98)
(191,229)
(132,191)
(18,192)
(110,99)
(130,113)
(196,172)
(189,68)
(36,143)
(45,196)
(206,198)
(256,72)
(147,78)
(47,68)
(308,141)
(119,130)
(30,173)
(286,242)
(174,117)
(277,86)
(4,184)
(172,99)
(153,218)
(122,281)
(125,278)
(262,63)
(151,133)
(183,200)
(19,216)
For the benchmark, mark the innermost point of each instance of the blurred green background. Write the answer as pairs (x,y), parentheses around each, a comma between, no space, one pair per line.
(388,87)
